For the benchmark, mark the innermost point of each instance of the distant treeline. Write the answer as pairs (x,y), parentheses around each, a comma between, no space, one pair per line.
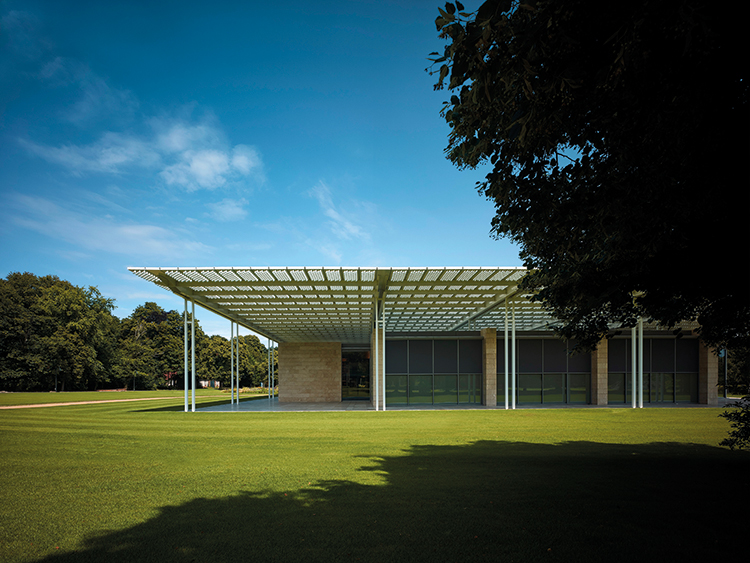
(55,335)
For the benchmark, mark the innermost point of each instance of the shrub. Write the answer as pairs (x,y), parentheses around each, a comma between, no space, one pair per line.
(739,416)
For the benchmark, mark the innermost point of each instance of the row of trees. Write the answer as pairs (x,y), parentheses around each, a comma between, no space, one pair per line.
(54,335)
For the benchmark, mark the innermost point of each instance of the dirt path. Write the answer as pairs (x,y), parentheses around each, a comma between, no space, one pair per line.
(39,405)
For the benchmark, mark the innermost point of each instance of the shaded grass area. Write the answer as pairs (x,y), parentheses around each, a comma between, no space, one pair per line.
(114,482)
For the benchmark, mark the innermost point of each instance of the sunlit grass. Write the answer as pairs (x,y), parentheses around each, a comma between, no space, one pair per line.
(133,481)
(8,399)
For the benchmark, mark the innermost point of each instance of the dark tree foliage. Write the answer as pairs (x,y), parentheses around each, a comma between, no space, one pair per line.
(215,360)
(739,417)
(617,136)
(51,330)
(151,348)
(735,364)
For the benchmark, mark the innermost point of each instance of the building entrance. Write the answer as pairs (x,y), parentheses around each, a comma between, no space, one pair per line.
(355,375)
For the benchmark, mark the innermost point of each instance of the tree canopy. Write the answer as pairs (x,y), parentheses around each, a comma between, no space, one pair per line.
(52,332)
(617,140)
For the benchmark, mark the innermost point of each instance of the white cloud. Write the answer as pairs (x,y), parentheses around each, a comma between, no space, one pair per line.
(203,159)
(99,233)
(198,169)
(228,210)
(245,159)
(111,153)
(178,136)
(189,156)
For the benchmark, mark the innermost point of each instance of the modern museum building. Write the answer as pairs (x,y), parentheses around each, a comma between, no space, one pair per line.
(436,336)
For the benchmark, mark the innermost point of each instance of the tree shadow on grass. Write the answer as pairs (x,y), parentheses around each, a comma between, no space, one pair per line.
(487,501)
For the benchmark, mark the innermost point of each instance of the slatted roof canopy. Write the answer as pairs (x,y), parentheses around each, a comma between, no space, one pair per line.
(337,304)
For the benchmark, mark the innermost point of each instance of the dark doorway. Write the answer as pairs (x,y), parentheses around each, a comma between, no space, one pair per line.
(355,375)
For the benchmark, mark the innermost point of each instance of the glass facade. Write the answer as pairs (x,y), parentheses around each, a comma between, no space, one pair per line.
(670,370)
(546,372)
(431,372)
(449,371)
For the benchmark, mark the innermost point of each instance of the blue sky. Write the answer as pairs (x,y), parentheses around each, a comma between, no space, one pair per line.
(227,134)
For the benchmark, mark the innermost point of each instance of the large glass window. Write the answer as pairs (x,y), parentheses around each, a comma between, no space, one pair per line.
(470,388)
(446,389)
(396,389)
(661,388)
(529,388)
(554,388)
(396,353)
(555,356)
(670,370)
(420,389)
(529,356)
(546,372)
(433,371)
(578,387)
(686,387)
(616,388)
(446,356)
(470,356)
(420,356)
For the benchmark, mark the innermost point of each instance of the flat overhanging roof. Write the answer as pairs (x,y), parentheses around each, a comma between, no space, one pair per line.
(338,304)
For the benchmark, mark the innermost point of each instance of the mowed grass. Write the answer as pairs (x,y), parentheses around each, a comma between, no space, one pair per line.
(123,482)
(12,399)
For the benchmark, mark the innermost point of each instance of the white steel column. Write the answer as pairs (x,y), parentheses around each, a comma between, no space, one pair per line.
(237,362)
(633,363)
(383,360)
(513,355)
(192,351)
(231,368)
(268,375)
(640,363)
(376,372)
(505,343)
(185,355)
(273,372)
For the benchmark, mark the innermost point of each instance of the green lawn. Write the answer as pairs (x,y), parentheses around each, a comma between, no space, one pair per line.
(80,396)
(123,482)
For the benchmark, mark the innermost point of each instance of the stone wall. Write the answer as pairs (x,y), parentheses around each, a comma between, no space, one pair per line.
(310,372)
(489,367)
(600,374)
(708,376)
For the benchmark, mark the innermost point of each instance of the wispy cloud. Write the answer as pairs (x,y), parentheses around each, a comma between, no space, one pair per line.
(228,210)
(112,153)
(21,34)
(95,97)
(340,224)
(94,233)
(331,251)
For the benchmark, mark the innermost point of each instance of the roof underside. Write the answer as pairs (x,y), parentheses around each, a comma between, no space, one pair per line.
(310,304)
